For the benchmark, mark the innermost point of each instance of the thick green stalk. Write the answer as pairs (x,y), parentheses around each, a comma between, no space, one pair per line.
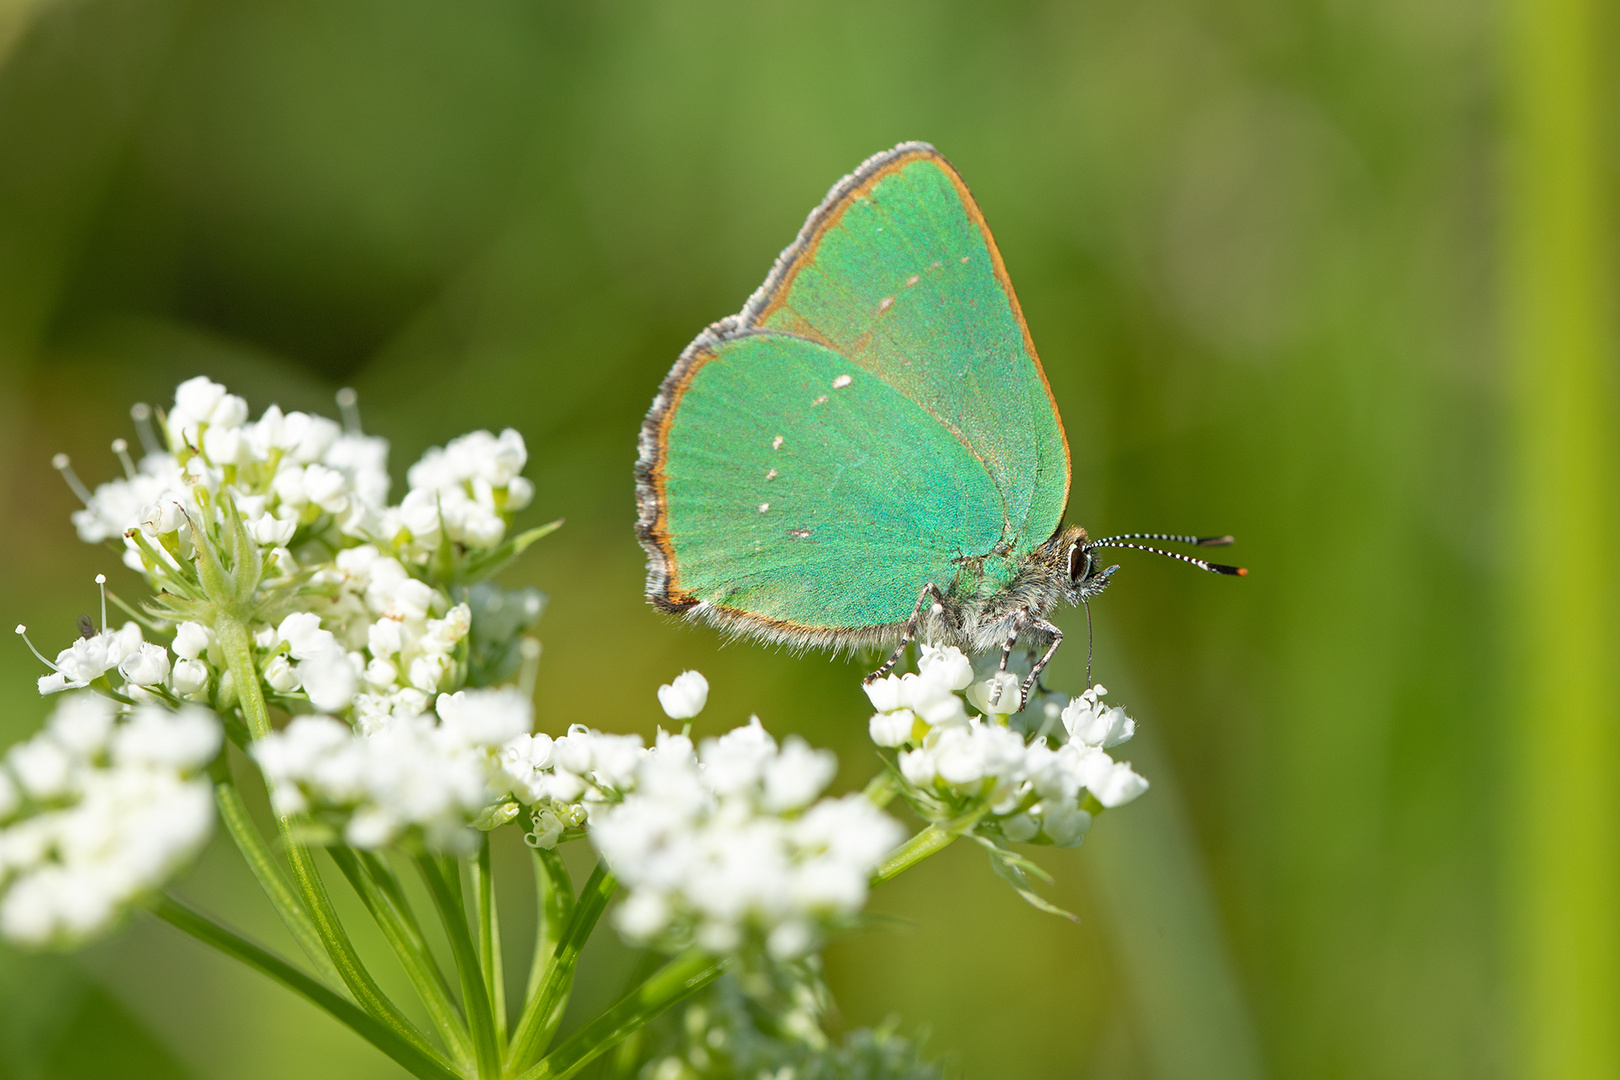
(405,938)
(680,977)
(254,852)
(1563,823)
(489,938)
(554,893)
(446,893)
(403,1051)
(235,643)
(544,1009)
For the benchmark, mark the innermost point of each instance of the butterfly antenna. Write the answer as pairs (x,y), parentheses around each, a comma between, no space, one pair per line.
(1168,538)
(1214,568)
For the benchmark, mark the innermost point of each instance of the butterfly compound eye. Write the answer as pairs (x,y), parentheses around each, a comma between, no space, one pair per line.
(1081,564)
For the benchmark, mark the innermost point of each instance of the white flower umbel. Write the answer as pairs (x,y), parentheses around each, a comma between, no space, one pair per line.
(301,487)
(424,774)
(726,845)
(99,809)
(1041,790)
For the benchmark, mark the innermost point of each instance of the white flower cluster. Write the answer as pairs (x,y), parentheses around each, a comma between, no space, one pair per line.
(285,471)
(101,807)
(724,843)
(402,643)
(727,842)
(97,657)
(1034,791)
(463,492)
(367,630)
(296,478)
(433,774)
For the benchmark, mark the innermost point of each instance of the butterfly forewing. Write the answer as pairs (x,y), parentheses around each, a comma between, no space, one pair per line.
(899,273)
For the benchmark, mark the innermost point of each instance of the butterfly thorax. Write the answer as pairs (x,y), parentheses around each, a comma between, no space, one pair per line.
(981,612)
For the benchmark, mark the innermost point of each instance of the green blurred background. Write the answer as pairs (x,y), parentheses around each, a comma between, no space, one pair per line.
(1326,275)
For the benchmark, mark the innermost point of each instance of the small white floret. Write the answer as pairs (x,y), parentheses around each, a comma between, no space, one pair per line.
(684,696)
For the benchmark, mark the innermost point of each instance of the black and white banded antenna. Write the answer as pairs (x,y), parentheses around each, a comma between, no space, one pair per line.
(1123,541)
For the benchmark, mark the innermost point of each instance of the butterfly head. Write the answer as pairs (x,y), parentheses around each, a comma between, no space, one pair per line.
(1087,575)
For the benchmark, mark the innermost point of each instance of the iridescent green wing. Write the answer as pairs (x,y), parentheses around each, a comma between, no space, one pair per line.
(898,272)
(886,355)
(797,490)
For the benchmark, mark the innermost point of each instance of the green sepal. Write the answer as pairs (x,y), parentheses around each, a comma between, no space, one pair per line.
(1016,871)
(492,561)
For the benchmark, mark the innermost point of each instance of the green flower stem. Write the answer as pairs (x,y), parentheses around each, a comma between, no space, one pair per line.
(554,890)
(544,1009)
(235,642)
(881,789)
(254,852)
(680,977)
(237,645)
(405,938)
(489,938)
(934,838)
(408,1055)
(447,898)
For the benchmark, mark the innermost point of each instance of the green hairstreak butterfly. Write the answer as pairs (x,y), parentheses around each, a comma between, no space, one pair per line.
(870,449)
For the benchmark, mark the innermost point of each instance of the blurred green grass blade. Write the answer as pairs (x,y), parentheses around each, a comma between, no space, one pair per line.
(1185,999)
(1564,898)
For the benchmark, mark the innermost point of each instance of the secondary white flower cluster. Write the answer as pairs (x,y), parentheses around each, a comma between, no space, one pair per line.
(1034,791)
(100,808)
(358,617)
(297,475)
(435,775)
(724,843)
(727,844)
(285,471)
(297,478)
(96,657)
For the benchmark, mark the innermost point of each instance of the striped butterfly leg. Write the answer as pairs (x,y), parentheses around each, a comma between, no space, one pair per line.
(929,592)
(1035,670)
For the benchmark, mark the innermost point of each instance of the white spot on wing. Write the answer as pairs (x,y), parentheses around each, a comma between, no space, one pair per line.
(886,303)
(913,279)
(822,400)
(776,443)
(771,475)
(799,534)
(964,258)
(764,507)
(842,381)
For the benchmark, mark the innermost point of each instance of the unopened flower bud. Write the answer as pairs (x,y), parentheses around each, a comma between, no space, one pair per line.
(272,531)
(1065,824)
(684,697)
(892,728)
(190,677)
(146,666)
(303,634)
(190,640)
(947,665)
(280,676)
